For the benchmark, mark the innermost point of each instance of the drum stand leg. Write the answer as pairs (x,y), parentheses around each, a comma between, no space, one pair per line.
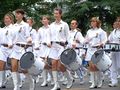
(15,77)
(55,78)
(44,75)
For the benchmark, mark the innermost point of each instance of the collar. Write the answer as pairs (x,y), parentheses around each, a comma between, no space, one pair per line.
(95,28)
(8,26)
(21,23)
(46,26)
(75,30)
(60,22)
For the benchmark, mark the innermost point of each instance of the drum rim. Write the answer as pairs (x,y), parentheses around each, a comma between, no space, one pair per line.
(113,43)
(23,56)
(94,53)
(66,50)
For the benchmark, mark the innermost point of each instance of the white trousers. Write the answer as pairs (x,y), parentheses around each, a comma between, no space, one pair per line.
(115,56)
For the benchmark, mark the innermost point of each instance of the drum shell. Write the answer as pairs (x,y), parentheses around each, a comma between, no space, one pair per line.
(76,64)
(70,59)
(103,63)
(39,63)
(37,67)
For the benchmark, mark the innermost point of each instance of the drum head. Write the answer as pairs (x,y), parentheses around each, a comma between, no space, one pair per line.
(68,56)
(27,60)
(97,56)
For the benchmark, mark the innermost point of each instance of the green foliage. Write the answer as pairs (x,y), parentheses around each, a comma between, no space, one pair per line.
(107,10)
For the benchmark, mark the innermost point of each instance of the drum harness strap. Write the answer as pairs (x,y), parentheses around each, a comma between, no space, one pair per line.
(77,42)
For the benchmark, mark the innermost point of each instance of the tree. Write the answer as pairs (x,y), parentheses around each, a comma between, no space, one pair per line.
(106,10)
(11,5)
(81,10)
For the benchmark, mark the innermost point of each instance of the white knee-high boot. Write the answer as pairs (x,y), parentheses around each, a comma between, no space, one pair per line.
(69,79)
(93,78)
(90,81)
(99,79)
(2,78)
(55,78)
(31,82)
(52,81)
(44,75)
(22,78)
(15,78)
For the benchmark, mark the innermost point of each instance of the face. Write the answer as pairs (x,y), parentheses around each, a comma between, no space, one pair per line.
(93,24)
(30,22)
(118,24)
(7,20)
(57,15)
(115,25)
(45,21)
(18,16)
(73,25)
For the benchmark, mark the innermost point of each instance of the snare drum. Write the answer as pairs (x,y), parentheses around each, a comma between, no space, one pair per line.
(111,47)
(27,60)
(33,65)
(101,60)
(37,67)
(70,59)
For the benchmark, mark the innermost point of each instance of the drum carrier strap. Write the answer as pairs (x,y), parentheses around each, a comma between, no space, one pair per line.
(75,35)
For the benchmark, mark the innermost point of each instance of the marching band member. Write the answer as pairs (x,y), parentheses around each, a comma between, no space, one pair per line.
(21,36)
(6,45)
(114,37)
(44,33)
(75,37)
(75,40)
(59,33)
(34,34)
(95,38)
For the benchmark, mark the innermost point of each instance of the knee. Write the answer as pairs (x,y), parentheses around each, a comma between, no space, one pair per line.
(2,65)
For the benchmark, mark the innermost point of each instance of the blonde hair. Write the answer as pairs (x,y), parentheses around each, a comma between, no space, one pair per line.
(96,19)
(46,16)
(11,16)
(31,19)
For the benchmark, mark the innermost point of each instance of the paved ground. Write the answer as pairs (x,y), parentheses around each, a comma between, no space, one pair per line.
(76,86)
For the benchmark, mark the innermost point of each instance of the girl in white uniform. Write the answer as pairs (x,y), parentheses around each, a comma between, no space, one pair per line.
(95,37)
(6,45)
(75,39)
(34,33)
(114,37)
(44,34)
(21,35)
